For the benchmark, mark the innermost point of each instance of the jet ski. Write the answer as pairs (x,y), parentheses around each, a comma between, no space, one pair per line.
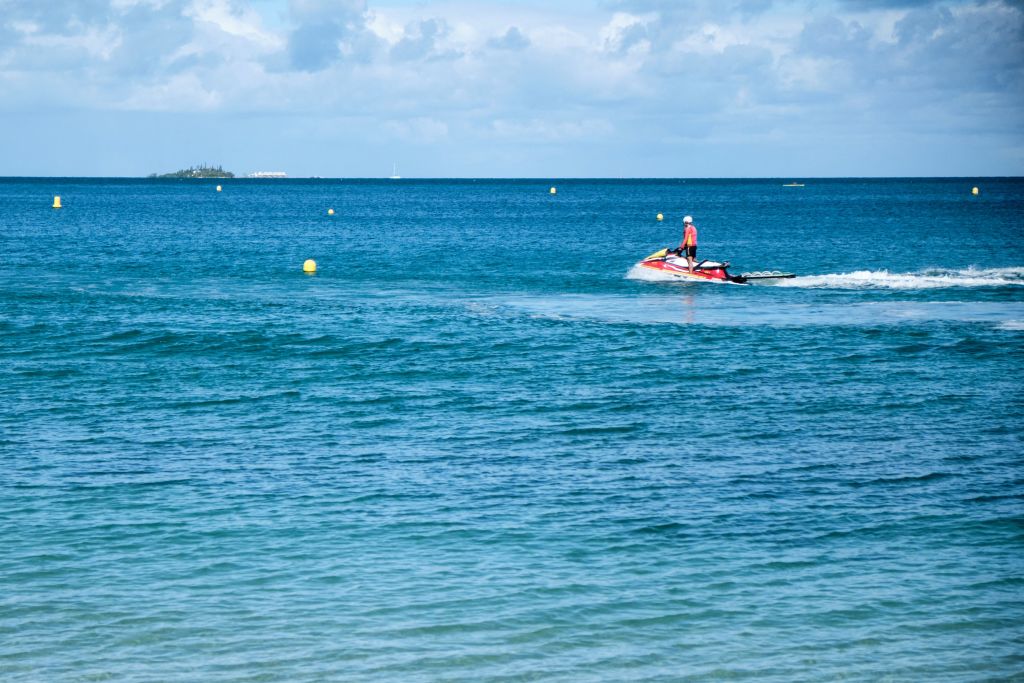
(672,264)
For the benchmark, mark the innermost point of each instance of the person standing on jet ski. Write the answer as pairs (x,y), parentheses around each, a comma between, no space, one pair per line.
(688,248)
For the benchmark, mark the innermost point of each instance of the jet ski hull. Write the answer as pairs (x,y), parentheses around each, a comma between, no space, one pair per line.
(676,267)
(683,272)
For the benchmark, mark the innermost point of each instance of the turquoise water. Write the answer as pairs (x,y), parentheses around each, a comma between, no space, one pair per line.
(474,447)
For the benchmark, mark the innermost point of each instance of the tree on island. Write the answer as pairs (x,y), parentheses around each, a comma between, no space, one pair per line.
(201,171)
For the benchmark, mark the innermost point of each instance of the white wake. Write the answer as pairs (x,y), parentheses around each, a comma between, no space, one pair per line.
(650,275)
(926,279)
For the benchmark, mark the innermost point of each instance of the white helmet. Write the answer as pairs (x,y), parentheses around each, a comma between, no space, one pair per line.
(687,219)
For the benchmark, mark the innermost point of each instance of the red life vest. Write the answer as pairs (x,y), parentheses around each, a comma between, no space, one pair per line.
(689,236)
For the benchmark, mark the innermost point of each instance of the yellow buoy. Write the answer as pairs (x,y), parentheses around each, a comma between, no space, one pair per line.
(330,212)
(56,201)
(974,190)
(554,190)
(218,188)
(309,266)
(661,217)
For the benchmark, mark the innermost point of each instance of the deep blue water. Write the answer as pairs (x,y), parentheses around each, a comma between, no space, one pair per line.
(471,448)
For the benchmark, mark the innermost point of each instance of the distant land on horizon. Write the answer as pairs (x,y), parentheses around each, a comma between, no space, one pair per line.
(217,172)
(201,171)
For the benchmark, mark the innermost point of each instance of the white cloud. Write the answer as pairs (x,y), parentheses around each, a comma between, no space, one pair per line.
(182,92)
(551,131)
(447,72)
(385,26)
(99,42)
(709,39)
(627,33)
(420,130)
(124,5)
(559,39)
(244,23)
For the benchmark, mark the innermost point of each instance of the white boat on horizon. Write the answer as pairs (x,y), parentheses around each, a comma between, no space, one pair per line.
(394,173)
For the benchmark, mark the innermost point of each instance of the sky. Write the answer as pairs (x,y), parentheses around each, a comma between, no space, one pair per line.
(513,88)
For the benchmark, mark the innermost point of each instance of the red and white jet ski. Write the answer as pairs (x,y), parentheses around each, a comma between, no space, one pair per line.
(669,263)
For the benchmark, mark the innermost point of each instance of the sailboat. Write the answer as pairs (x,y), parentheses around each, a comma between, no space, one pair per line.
(394,172)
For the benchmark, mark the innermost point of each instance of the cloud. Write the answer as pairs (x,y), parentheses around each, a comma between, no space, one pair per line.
(933,50)
(423,39)
(885,4)
(232,21)
(696,12)
(420,130)
(456,74)
(551,131)
(627,33)
(328,31)
(312,47)
(830,36)
(184,87)
(512,39)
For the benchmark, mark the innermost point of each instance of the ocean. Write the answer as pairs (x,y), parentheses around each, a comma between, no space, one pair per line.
(477,445)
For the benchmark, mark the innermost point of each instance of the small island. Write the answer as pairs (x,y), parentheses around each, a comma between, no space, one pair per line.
(201,171)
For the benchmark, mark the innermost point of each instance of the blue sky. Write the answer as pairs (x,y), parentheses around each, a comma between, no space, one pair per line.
(513,88)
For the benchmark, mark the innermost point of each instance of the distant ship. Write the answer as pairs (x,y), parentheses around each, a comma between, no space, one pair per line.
(394,173)
(268,174)
(793,185)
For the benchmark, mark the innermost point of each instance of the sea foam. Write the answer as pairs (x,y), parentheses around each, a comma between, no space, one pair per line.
(926,279)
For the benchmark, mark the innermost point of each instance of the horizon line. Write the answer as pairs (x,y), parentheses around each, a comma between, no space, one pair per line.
(527,178)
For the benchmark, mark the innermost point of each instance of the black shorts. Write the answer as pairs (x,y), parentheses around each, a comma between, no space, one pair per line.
(688,251)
